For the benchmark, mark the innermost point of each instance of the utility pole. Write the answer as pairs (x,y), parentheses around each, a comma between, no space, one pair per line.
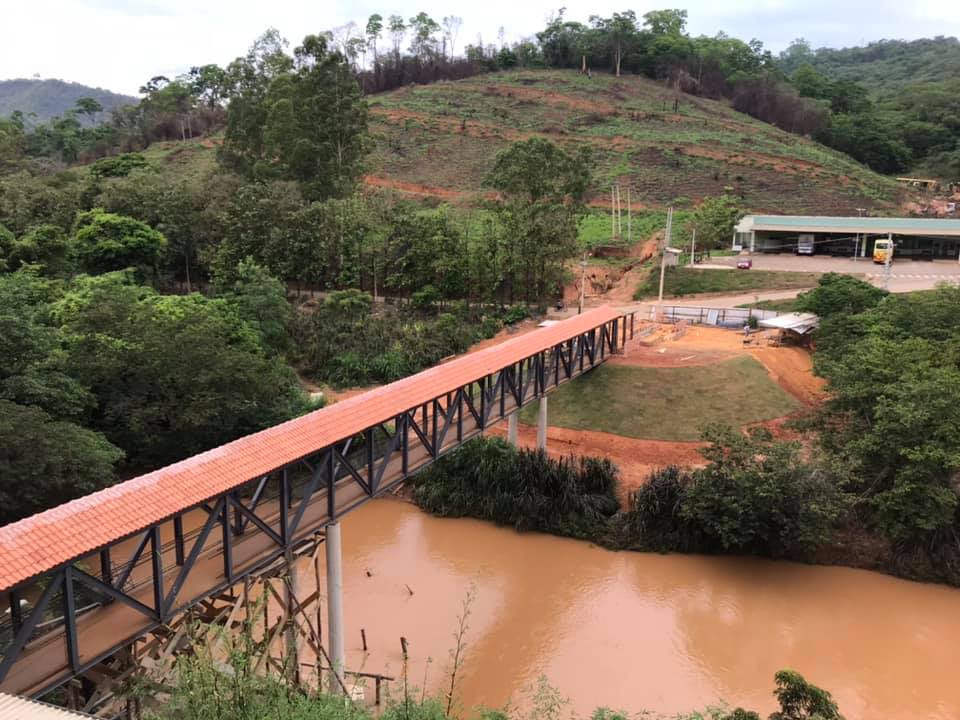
(629,231)
(888,264)
(863,246)
(663,254)
(693,245)
(583,281)
(613,216)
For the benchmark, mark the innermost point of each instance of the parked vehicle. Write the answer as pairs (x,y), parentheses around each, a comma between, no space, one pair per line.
(744,264)
(881,247)
(805,244)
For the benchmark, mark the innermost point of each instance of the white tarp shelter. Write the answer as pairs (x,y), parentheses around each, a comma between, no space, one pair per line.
(800,323)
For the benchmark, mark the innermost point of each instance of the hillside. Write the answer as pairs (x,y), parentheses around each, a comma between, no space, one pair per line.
(887,68)
(440,140)
(48,98)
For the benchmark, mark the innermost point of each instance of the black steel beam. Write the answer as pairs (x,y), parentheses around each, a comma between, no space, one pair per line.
(26,629)
(81,576)
(156,558)
(178,538)
(70,620)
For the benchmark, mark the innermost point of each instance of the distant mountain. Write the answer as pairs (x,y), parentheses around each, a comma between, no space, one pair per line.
(48,98)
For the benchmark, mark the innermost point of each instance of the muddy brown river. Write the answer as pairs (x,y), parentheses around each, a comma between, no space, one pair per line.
(633,631)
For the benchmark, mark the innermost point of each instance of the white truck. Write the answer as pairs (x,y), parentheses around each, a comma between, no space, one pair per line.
(805,244)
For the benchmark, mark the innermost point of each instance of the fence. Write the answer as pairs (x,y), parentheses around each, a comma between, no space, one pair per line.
(721,317)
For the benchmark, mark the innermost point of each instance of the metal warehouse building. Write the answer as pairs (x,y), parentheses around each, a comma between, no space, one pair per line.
(917,238)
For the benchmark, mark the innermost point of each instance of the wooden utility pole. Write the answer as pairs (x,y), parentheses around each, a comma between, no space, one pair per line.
(693,245)
(663,254)
(613,217)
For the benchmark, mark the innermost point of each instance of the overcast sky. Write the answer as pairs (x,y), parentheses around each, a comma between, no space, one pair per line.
(119,44)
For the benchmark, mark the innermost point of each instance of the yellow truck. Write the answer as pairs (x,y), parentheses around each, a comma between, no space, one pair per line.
(881,247)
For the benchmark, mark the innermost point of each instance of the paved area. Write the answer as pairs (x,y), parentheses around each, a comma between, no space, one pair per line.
(905,275)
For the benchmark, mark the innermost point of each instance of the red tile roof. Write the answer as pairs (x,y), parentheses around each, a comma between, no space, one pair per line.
(43,541)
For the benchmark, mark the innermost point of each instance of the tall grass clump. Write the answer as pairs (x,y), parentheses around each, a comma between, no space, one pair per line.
(489,479)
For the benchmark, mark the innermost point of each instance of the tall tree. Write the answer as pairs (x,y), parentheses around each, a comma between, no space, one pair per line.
(373,30)
(424,27)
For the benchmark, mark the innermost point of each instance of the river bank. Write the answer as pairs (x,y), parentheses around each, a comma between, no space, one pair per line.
(666,633)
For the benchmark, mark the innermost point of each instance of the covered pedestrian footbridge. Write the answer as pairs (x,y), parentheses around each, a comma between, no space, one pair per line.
(81,581)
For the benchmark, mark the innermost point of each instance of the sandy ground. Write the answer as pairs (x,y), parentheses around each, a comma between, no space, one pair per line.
(635,458)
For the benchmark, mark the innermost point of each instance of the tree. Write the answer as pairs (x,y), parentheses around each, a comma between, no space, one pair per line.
(309,124)
(373,30)
(542,189)
(838,294)
(757,496)
(801,700)
(104,241)
(173,375)
(45,246)
(261,300)
(715,219)
(89,107)
(451,28)
(423,44)
(666,22)
(211,84)
(620,31)
(45,462)
(397,30)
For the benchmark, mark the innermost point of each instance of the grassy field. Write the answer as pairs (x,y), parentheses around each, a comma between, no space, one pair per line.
(666,403)
(442,138)
(681,281)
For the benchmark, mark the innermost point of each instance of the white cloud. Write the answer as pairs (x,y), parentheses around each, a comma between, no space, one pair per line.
(119,44)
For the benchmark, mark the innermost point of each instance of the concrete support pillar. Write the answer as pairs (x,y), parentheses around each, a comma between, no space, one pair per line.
(513,422)
(542,424)
(338,658)
(292,641)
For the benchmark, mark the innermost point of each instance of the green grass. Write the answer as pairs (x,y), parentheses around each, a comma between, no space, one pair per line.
(667,403)
(681,281)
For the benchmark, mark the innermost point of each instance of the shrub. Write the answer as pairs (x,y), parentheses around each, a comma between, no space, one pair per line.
(491,480)
(654,518)
(118,165)
(757,496)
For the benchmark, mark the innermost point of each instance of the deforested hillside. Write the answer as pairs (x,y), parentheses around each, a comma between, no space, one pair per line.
(440,140)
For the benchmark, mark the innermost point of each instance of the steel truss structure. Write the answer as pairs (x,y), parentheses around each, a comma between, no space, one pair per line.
(86,610)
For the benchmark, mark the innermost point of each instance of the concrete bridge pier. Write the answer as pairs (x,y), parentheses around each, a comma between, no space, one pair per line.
(513,422)
(338,658)
(542,424)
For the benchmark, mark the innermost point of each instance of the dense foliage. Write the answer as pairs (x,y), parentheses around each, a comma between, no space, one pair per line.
(346,341)
(96,370)
(892,95)
(756,497)
(491,480)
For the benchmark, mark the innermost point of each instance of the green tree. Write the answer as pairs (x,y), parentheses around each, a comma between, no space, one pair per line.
(542,189)
(758,496)
(423,44)
(45,462)
(46,246)
(666,22)
(620,32)
(261,300)
(173,375)
(801,700)
(373,31)
(715,219)
(104,242)
(838,294)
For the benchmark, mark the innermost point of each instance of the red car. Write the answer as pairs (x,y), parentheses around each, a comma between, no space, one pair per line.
(744,264)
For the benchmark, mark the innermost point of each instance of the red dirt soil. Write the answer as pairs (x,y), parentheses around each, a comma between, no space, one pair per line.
(635,458)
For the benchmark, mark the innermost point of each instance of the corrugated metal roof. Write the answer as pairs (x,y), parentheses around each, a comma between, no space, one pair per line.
(44,541)
(13,707)
(818,223)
